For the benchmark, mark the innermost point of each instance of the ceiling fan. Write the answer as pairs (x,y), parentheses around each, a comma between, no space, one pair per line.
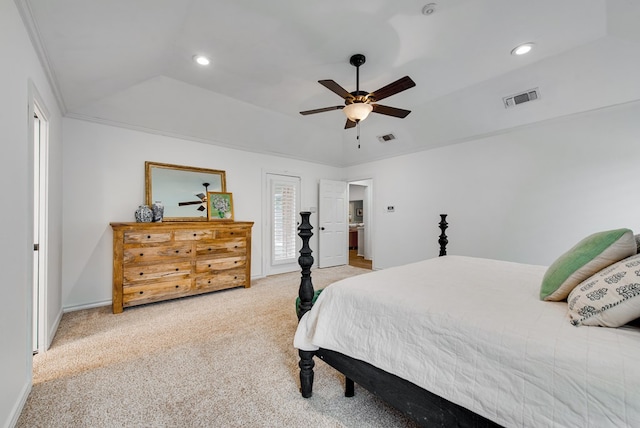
(358,104)
(201,202)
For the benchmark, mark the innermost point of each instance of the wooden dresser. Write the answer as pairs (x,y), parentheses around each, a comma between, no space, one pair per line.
(161,261)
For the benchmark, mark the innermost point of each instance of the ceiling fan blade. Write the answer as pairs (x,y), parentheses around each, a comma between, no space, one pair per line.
(202,196)
(320,110)
(390,111)
(349,124)
(393,88)
(181,204)
(334,87)
(201,208)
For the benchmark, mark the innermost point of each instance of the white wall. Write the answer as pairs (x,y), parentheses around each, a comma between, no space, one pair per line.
(356,192)
(19,66)
(526,195)
(104,182)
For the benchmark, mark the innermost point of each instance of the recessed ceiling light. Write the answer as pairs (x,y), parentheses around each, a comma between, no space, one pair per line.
(522,49)
(201,59)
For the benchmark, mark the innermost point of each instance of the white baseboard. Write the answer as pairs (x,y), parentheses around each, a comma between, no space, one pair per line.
(86,306)
(17,408)
(52,331)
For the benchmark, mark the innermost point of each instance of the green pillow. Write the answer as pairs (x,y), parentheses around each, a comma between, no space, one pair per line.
(315,297)
(587,257)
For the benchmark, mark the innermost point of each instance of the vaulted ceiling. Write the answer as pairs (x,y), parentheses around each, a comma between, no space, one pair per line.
(130,63)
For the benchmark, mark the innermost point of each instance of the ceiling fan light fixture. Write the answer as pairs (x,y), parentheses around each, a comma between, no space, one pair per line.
(357,112)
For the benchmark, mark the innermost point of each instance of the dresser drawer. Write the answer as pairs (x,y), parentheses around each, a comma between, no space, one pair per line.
(142,254)
(193,235)
(220,264)
(231,233)
(142,237)
(227,279)
(222,247)
(142,272)
(156,291)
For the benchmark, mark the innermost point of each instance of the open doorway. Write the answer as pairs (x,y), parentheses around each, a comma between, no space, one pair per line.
(360,219)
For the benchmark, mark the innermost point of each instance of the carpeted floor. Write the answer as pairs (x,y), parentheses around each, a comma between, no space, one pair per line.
(218,360)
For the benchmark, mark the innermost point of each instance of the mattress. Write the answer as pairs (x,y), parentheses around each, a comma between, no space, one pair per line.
(474,331)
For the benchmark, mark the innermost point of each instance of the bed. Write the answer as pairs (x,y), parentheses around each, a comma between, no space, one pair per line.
(462,341)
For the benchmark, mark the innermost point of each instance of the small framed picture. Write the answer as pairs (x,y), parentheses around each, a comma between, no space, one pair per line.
(219,206)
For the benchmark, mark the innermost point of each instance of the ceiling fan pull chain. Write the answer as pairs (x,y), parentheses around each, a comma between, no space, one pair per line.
(358,132)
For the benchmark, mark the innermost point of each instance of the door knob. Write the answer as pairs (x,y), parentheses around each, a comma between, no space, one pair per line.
(322,228)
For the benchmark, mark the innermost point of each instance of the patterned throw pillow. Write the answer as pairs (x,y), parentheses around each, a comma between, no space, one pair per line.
(591,255)
(638,243)
(610,298)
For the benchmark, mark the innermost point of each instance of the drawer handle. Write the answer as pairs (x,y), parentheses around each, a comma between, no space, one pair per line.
(209,249)
(177,251)
(235,261)
(141,273)
(208,265)
(235,246)
(231,233)
(148,236)
(141,254)
(177,269)
(209,282)
(177,286)
(195,234)
(235,277)
(142,292)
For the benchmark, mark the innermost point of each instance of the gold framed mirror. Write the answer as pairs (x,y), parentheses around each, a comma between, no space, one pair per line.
(181,189)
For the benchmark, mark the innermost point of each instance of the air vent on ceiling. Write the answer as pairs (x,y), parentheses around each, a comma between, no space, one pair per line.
(523,97)
(386,137)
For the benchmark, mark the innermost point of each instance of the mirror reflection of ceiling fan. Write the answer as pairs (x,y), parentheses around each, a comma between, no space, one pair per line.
(202,202)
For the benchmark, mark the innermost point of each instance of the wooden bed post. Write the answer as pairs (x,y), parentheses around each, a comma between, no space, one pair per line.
(305,293)
(443,238)
(305,261)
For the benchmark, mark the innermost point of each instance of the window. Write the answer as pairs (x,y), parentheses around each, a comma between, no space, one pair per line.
(284,211)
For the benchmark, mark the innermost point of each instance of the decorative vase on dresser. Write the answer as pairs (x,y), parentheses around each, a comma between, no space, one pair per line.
(166,260)
(144,214)
(158,211)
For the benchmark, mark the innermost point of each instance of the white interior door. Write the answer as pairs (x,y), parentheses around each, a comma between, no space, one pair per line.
(333,227)
(39,126)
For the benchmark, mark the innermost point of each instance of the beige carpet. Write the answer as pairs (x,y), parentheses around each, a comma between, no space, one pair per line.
(218,360)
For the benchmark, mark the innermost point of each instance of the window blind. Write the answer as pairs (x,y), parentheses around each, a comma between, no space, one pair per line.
(284,221)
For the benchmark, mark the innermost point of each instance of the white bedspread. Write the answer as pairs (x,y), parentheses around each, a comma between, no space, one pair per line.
(475,332)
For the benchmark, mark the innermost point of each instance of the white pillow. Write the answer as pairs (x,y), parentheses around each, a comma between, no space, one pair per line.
(610,298)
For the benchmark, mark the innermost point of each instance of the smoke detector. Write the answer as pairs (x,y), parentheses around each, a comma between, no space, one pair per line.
(523,97)
(386,137)
(429,9)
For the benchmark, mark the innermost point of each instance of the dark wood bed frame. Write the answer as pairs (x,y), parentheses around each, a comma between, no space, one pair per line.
(426,408)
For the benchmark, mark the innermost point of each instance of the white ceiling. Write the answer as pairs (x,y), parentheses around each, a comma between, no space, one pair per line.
(129,63)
